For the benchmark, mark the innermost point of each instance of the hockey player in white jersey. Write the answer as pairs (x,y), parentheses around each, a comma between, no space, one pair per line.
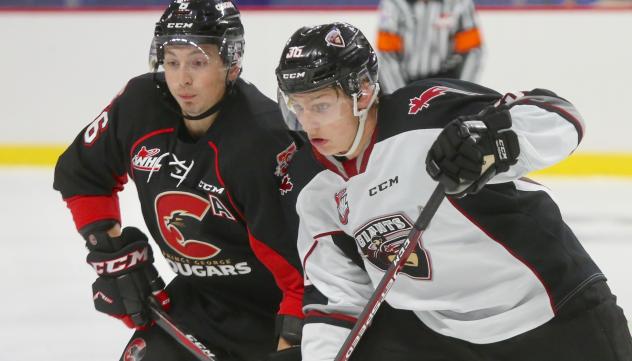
(498,275)
(419,39)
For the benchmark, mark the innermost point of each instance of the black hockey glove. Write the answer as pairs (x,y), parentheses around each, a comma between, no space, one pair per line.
(471,150)
(127,276)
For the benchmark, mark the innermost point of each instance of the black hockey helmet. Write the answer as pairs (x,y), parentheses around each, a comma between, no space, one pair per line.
(197,22)
(324,55)
(335,54)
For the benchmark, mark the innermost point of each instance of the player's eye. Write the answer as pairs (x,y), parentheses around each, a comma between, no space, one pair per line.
(199,63)
(296,108)
(170,64)
(320,107)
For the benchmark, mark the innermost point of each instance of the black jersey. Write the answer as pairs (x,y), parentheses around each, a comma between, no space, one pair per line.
(489,267)
(211,204)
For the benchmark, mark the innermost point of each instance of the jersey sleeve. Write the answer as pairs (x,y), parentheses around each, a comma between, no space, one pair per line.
(258,190)
(91,172)
(548,127)
(336,285)
(390,46)
(468,42)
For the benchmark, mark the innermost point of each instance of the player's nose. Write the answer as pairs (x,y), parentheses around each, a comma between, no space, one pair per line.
(184,77)
(308,121)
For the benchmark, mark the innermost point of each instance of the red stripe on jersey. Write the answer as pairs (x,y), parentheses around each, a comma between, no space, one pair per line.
(316,237)
(350,167)
(288,278)
(327,234)
(369,149)
(223,184)
(90,209)
(309,253)
(329,165)
(516,256)
(149,135)
(335,316)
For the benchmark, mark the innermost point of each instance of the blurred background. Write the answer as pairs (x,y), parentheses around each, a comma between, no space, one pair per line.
(62,61)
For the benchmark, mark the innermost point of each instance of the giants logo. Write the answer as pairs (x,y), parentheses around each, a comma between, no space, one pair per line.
(334,38)
(343,206)
(179,217)
(381,239)
(417,104)
(146,159)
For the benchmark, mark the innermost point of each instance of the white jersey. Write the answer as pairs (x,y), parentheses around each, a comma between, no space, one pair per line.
(423,39)
(490,266)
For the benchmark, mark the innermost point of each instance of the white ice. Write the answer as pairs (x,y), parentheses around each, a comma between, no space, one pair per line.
(46,310)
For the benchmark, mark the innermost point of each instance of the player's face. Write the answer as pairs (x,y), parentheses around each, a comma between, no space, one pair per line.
(196,76)
(327,117)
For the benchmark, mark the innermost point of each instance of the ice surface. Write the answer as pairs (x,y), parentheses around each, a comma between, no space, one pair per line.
(46,310)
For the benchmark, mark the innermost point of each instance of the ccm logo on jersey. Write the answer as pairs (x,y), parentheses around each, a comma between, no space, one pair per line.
(210,188)
(383,186)
(416,104)
(122,263)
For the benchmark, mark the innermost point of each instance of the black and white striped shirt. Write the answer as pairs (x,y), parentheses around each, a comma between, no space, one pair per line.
(427,38)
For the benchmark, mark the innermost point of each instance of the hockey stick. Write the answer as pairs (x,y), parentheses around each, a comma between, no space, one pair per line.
(378,296)
(188,341)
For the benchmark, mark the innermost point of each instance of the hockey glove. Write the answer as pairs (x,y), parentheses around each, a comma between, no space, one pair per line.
(471,150)
(127,276)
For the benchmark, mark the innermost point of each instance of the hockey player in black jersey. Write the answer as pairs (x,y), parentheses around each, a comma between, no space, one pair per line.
(497,276)
(208,154)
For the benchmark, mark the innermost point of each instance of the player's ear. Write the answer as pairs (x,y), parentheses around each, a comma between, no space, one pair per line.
(233,73)
(366,93)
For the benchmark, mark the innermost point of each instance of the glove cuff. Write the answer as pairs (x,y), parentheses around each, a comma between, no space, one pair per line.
(290,328)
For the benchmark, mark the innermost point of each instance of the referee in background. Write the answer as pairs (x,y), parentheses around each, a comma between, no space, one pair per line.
(420,39)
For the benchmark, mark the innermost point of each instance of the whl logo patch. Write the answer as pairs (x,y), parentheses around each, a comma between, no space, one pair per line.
(417,104)
(146,159)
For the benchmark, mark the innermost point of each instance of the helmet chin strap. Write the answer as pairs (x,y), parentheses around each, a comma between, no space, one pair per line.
(362,115)
(212,110)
